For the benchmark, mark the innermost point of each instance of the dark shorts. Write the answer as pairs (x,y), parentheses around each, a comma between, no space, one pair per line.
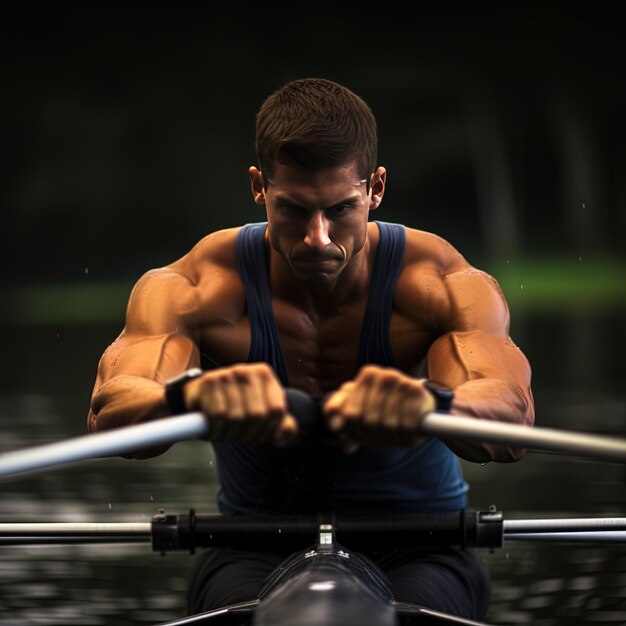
(446,579)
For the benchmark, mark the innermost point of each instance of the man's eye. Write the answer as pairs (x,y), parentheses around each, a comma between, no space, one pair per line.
(292,208)
(340,210)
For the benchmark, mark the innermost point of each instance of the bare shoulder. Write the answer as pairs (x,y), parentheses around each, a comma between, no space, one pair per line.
(453,294)
(203,282)
(432,252)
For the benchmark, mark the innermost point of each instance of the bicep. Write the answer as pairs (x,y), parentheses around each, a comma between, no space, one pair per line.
(157,357)
(157,341)
(458,357)
(476,342)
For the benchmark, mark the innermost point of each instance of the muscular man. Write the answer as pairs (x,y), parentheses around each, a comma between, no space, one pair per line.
(362,314)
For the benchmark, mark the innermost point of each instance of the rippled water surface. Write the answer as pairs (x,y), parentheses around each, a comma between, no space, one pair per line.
(538,583)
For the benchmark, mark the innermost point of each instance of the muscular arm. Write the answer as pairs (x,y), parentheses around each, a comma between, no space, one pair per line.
(477,358)
(155,345)
(460,316)
(167,311)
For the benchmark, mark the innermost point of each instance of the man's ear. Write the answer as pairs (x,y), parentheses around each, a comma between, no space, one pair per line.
(378,181)
(256,185)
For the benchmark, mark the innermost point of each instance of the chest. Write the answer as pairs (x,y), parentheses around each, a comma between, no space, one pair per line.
(320,352)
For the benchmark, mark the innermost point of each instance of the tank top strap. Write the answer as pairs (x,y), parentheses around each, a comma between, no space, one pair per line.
(254,271)
(375,342)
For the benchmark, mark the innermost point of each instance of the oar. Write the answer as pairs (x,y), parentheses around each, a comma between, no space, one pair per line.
(119,441)
(50,533)
(530,437)
(217,530)
(114,442)
(192,425)
(580,529)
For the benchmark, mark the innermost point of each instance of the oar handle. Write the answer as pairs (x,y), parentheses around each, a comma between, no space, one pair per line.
(306,410)
(156,433)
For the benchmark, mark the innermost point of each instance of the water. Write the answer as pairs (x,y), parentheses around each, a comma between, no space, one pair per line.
(543,584)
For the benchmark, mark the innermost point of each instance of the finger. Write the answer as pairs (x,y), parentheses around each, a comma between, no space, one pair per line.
(258,417)
(212,402)
(253,395)
(235,406)
(354,406)
(333,406)
(421,402)
(287,430)
(392,407)
(337,399)
(383,389)
(411,412)
(277,424)
(275,396)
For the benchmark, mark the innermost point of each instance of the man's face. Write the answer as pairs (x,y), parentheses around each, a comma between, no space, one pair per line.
(317,221)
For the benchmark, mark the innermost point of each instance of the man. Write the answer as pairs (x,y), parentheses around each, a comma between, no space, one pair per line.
(375,319)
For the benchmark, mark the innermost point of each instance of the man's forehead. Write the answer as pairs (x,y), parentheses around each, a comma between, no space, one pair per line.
(288,176)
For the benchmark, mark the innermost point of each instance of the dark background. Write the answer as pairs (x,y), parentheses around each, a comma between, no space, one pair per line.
(127,129)
(126,132)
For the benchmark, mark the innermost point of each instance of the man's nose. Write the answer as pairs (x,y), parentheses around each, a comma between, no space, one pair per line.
(317,231)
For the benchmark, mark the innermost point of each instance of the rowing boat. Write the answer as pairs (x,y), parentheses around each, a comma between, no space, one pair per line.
(326,579)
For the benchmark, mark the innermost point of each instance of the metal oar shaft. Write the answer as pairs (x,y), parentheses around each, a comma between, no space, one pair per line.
(607,529)
(109,443)
(64,533)
(585,529)
(533,438)
(598,536)
(192,425)
(572,524)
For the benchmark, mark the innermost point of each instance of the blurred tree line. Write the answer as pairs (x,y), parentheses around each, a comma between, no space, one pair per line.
(127,128)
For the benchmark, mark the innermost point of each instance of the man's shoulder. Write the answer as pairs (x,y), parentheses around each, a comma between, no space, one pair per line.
(215,251)
(200,277)
(437,279)
(427,251)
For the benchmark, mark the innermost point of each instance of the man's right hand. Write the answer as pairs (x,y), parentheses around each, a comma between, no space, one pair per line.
(244,403)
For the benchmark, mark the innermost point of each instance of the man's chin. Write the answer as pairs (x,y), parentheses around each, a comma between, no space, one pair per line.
(318,280)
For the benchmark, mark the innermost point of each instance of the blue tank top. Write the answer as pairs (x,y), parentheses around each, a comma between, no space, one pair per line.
(315,475)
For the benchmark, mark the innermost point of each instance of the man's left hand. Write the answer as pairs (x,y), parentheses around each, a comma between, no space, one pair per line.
(380,407)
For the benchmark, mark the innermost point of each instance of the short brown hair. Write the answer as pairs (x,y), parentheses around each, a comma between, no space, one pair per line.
(315,123)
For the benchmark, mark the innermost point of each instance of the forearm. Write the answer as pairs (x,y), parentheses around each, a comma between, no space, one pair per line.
(125,400)
(495,400)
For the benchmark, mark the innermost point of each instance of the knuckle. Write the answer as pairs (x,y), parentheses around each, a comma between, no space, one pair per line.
(369,371)
(257,413)
(263,370)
